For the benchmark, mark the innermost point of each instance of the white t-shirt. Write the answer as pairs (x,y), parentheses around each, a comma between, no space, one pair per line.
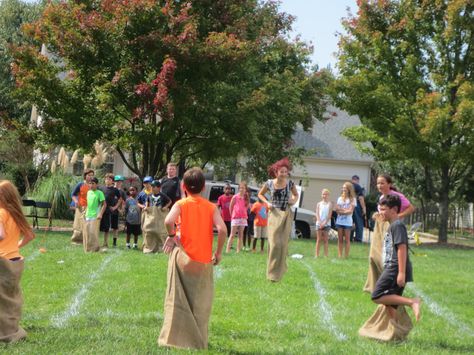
(346,219)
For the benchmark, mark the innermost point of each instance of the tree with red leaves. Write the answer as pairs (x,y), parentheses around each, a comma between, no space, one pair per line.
(169,80)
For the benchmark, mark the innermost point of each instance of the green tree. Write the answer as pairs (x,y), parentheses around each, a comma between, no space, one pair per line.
(406,68)
(13,14)
(170,80)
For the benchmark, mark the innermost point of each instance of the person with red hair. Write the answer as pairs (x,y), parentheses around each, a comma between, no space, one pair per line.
(283,195)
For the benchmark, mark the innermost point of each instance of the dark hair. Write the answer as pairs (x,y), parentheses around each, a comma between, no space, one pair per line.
(194,180)
(87,172)
(392,201)
(95,180)
(389,180)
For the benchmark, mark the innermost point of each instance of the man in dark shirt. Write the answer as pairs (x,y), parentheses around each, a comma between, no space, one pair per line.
(170,184)
(357,234)
(113,200)
(397,267)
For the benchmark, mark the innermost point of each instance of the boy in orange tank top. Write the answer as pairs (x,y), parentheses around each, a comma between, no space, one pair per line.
(190,287)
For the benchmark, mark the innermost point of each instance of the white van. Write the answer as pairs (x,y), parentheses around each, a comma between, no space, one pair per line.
(304,219)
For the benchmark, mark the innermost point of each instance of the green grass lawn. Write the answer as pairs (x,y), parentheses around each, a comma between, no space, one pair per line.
(113,302)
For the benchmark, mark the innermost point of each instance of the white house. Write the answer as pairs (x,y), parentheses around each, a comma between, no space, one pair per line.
(335,160)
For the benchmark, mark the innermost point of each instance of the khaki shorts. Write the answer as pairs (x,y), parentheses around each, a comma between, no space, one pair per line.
(260,232)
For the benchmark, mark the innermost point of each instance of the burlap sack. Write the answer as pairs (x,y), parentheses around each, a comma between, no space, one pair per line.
(11,300)
(375,255)
(188,303)
(278,231)
(90,232)
(77,226)
(381,326)
(153,229)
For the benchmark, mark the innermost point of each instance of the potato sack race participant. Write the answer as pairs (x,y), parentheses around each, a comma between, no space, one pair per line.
(96,206)
(389,322)
(280,217)
(153,219)
(12,224)
(190,287)
(385,187)
(79,197)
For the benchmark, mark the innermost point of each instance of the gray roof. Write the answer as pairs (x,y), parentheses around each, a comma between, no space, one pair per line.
(326,139)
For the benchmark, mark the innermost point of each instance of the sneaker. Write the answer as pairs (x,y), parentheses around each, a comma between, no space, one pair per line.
(135,246)
(128,246)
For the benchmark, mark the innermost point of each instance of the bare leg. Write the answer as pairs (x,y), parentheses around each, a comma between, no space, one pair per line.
(233,229)
(340,232)
(262,244)
(318,241)
(396,300)
(106,239)
(347,233)
(325,241)
(240,231)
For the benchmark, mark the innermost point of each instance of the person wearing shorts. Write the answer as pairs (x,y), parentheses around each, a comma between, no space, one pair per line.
(238,211)
(397,266)
(323,222)
(260,210)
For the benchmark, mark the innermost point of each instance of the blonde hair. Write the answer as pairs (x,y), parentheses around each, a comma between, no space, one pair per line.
(350,191)
(325,190)
(10,200)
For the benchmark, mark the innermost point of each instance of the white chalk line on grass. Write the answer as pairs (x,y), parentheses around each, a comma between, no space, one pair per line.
(33,256)
(61,320)
(436,309)
(324,307)
(218,272)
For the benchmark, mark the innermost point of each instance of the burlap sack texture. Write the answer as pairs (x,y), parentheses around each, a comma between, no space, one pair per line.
(279,229)
(380,326)
(90,233)
(153,229)
(11,300)
(188,303)
(78,225)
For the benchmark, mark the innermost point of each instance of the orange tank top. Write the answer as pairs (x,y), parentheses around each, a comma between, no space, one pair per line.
(196,233)
(9,244)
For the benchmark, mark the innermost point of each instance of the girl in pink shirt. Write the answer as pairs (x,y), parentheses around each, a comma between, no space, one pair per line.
(385,187)
(238,210)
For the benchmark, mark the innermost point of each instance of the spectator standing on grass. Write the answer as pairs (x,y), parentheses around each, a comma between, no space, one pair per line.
(170,184)
(190,284)
(283,195)
(248,230)
(132,217)
(223,203)
(118,183)
(260,211)
(13,225)
(357,234)
(344,208)
(113,199)
(79,198)
(96,207)
(323,222)
(238,210)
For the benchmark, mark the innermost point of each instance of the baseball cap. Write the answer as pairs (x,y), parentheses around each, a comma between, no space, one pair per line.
(119,178)
(147,179)
(156,183)
(355,177)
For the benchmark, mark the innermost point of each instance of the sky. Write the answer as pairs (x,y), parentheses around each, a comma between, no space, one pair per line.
(317,21)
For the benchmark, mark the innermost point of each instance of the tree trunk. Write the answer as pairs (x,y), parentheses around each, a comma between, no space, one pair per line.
(443,211)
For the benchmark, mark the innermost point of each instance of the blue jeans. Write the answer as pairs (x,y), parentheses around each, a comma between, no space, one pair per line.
(359,225)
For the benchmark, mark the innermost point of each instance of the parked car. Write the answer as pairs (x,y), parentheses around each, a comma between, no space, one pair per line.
(304,219)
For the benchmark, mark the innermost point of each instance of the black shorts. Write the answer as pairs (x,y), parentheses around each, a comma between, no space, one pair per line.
(105,221)
(114,220)
(387,284)
(227,224)
(134,229)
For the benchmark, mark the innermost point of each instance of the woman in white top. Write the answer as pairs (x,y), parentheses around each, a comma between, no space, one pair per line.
(323,221)
(345,206)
